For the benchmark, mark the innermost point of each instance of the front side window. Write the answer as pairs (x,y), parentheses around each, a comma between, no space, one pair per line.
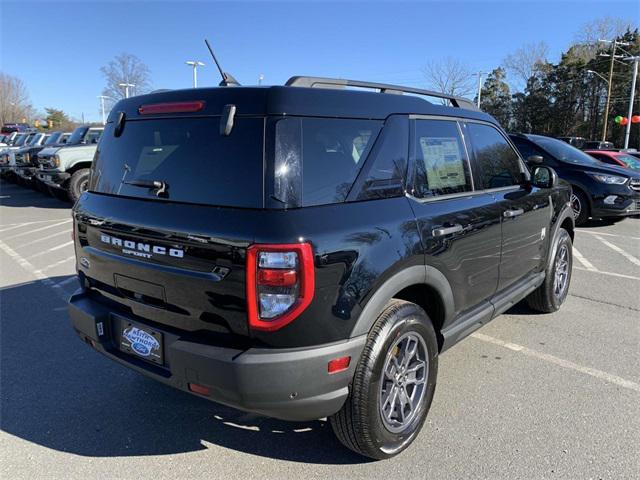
(497,161)
(442,166)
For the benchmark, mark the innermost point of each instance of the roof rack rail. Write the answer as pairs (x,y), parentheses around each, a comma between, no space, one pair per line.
(322,82)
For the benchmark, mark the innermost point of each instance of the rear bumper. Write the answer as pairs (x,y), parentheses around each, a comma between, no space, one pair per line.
(289,384)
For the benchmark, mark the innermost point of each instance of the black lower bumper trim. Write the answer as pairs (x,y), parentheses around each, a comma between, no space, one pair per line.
(289,384)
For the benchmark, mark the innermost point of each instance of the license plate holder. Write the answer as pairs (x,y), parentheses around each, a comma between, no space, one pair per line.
(142,342)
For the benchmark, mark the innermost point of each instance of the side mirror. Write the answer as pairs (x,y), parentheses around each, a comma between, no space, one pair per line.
(544,177)
(535,160)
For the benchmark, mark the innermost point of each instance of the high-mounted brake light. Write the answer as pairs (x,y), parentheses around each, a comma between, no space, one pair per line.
(280,284)
(174,107)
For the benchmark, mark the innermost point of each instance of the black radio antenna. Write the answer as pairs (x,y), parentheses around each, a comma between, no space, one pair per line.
(227,79)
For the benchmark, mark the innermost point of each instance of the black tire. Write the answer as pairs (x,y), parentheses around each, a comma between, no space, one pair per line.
(583,212)
(547,298)
(359,425)
(78,184)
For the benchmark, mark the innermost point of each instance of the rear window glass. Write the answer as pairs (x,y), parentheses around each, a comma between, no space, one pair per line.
(316,160)
(195,162)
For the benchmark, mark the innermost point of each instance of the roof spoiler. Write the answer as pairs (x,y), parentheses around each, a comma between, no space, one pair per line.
(321,82)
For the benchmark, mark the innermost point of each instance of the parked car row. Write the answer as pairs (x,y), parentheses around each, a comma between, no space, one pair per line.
(16,127)
(56,162)
(605,184)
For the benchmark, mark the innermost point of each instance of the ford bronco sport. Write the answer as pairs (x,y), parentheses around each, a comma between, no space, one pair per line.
(65,169)
(306,251)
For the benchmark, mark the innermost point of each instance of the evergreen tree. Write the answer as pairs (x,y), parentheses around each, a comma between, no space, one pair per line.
(495,97)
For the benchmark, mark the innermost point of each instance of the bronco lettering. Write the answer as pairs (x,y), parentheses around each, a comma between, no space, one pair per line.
(140,249)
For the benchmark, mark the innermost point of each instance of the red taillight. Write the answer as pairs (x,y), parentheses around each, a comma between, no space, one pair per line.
(174,107)
(338,364)
(280,284)
(277,278)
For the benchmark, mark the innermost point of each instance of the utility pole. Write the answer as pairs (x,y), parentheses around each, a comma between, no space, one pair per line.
(627,132)
(195,64)
(614,45)
(126,88)
(480,74)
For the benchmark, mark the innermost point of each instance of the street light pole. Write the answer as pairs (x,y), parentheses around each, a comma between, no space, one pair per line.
(195,64)
(479,74)
(126,88)
(104,118)
(627,132)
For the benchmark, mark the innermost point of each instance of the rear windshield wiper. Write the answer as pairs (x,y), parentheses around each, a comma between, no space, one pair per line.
(159,186)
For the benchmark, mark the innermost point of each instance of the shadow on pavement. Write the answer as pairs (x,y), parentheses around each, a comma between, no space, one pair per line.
(595,223)
(58,393)
(13,195)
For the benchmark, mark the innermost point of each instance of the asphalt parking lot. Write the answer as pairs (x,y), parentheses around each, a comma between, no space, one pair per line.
(528,396)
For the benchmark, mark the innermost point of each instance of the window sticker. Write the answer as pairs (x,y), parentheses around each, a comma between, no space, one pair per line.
(443,162)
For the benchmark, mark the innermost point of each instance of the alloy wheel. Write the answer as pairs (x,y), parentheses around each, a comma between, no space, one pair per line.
(576,205)
(561,276)
(403,383)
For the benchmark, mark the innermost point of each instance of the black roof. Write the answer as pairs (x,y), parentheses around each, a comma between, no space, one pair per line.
(296,100)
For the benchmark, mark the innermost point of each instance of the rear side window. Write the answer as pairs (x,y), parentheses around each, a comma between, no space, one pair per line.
(442,166)
(197,164)
(498,162)
(316,160)
(385,171)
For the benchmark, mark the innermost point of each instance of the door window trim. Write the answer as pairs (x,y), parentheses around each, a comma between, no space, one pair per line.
(523,168)
(411,177)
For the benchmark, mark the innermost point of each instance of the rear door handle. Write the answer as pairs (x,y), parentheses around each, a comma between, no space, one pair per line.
(439,232)
(513,213)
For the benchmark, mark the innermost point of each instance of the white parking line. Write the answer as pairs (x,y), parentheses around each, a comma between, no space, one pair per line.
(611,274)
(38,229)
(607,377)
(588,265)
(580,230)
(29,268)
(42,239)
(13,226)
(622,252)
(57,264)
(52,249)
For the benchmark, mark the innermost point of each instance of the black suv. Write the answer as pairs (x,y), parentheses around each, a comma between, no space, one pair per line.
(599,190)
(305,252)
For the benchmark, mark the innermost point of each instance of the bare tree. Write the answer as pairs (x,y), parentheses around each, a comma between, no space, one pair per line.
(125,69)
(15,105)
(449,76)
(603,28)
(524,62)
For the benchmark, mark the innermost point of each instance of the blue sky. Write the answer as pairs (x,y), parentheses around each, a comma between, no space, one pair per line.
(57,48)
